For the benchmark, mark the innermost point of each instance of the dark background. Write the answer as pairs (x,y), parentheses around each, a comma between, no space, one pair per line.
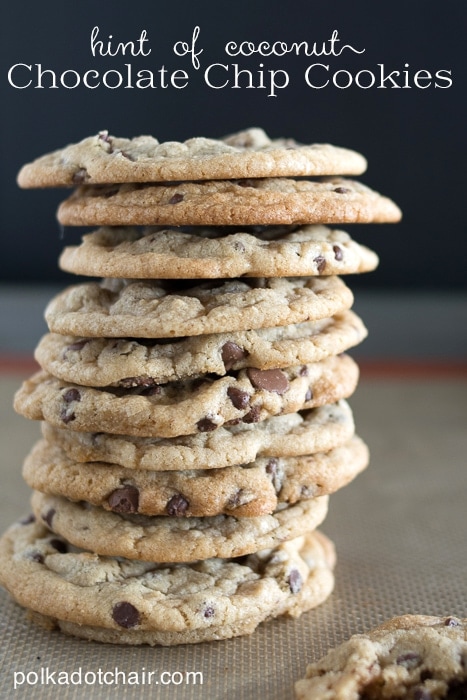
(414,139)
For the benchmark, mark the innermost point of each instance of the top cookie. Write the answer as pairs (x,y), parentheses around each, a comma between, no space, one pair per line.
(417,657)
(250,153)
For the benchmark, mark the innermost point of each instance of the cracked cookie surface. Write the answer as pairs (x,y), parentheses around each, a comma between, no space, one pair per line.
(130,362)
(103,158)
(291,435)
(164,308)
(155,253)
(188,406)
(171,538)
(132,602)
(243,490)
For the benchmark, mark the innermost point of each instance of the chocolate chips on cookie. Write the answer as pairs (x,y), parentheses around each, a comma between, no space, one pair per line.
(193,401)
(251,153)
(419,657)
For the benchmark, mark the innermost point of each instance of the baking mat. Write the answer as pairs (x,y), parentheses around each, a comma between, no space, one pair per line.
(400,530)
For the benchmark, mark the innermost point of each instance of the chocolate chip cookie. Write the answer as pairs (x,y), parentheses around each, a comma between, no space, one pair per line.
(268,201)
(247,490)
(119,601)
(262,251)
(294,434)
(250,153)
(133,362)
(188,406)
(418,657)
(165,308)
(172,538)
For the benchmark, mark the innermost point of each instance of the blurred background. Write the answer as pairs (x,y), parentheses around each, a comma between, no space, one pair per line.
(413,137)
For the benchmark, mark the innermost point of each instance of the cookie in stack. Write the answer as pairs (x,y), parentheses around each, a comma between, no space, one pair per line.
(193,400)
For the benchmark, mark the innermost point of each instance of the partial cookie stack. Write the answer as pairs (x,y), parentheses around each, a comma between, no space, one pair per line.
(193,401)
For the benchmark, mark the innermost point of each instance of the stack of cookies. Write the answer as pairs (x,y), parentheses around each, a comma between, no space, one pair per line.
(193,399)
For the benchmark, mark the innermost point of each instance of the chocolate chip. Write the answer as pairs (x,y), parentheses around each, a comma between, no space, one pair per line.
(253,415)
(67,416)
(205,425)
(271,467)
(425,675)
(236,499)
(269,379)
(105,138)
(79,345)
(320,263)
(80,176)
(151,390)
(176,198)
(452,622)
(308,395)
(239,398)
(341,190)
(131,382)
(48,517)
(295,581)
(234,421)
(124,500)
(36,556)
(59,545)
(231,353)
(338,252)
(272,470)
(177,506)
(125,615)
(303,371)
(208,611)
(71,395)
(409,660)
